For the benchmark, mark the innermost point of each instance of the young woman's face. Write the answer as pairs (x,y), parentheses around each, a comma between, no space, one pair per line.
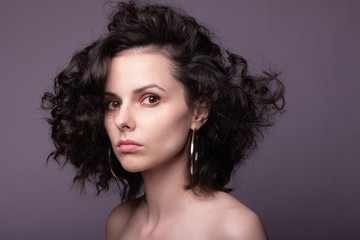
(147,118)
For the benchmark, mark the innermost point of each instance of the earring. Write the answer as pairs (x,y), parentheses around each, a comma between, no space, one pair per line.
(193,152)
(111,170)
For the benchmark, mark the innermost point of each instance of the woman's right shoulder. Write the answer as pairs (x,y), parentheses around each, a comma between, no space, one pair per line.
(119,216)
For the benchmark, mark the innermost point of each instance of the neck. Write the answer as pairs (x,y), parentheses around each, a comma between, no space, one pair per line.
(166,195)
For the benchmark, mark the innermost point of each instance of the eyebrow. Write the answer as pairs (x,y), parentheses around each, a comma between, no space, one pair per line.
(138,90)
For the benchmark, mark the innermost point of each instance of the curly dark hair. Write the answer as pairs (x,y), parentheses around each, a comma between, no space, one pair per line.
(241,105)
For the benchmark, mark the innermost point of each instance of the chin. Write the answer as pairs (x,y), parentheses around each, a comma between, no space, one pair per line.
(131,169)
(131,165)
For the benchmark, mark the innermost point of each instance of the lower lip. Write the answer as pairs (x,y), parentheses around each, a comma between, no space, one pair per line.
(128,148)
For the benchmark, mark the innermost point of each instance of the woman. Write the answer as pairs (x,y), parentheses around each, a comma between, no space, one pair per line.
(159,108)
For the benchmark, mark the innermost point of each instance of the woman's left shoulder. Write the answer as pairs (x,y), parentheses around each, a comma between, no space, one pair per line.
(235,220)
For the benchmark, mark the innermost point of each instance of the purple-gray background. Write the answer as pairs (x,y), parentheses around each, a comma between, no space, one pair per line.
(304,181)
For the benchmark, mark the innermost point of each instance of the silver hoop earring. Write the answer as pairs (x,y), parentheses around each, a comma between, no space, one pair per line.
(193,153)
(111,170)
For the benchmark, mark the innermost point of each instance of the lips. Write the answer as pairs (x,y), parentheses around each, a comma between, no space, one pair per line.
(128,146)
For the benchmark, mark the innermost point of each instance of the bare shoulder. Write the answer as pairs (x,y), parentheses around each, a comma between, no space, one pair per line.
(118,218)
(236,221)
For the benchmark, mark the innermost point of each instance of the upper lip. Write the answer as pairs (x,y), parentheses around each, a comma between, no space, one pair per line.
(127,142)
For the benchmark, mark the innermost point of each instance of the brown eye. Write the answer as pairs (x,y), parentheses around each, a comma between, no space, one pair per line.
(113,105)
(151,100)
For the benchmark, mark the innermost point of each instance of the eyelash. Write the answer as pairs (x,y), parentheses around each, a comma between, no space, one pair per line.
(109,104)
(157,99)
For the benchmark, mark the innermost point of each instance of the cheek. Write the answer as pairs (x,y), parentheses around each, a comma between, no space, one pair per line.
(171,130)
(109,125)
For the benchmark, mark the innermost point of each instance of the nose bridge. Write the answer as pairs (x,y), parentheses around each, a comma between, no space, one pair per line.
(124,118)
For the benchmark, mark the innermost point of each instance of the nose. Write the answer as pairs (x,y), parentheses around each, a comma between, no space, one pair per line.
(124,120)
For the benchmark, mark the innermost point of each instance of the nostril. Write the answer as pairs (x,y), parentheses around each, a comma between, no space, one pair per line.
(123,120)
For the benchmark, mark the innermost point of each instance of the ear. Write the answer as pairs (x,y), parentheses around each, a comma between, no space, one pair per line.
(200,114)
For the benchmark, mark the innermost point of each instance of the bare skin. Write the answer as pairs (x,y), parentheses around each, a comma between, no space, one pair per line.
(159,120)
(219,217)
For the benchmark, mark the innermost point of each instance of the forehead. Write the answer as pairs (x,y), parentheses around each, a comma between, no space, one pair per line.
(136,67)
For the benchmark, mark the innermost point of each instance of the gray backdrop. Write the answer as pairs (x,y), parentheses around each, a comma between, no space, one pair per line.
(303,182)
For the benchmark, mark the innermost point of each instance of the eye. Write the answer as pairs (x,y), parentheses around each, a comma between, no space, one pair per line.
(151,100)
(112,105)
